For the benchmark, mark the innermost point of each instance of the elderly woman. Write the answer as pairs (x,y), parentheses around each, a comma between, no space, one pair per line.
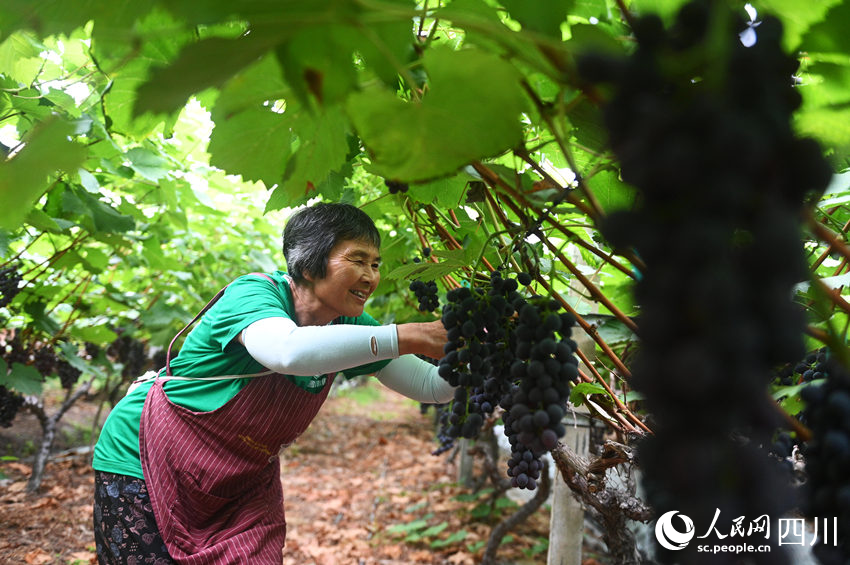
(186,467)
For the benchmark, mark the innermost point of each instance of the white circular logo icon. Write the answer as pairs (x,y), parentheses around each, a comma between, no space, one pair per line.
(667,534)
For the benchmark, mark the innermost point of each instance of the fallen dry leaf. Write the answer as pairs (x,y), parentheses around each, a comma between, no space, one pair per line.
(38,557)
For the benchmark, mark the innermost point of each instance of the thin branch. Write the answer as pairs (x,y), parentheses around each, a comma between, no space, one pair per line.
(619,403)
(826,235)
(592,288)
(588,329)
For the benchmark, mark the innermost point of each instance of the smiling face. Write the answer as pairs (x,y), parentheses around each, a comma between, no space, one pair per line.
(351,278)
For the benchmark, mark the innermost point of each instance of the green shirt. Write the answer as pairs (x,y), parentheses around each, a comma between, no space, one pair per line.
(210,350)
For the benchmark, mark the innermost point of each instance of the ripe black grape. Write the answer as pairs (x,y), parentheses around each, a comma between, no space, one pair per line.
(395,186)
(426,294)
(68,374)
(10,280)
(10,402)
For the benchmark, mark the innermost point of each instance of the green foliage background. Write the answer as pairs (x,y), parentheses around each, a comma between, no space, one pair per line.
(125,212)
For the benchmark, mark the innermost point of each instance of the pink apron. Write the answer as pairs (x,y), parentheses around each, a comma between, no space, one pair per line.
(214,477)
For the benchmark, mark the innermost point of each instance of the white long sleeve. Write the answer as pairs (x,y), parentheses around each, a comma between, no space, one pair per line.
(416,379)
(282,346)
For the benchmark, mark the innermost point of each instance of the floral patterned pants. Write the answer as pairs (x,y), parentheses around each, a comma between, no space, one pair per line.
(125,530)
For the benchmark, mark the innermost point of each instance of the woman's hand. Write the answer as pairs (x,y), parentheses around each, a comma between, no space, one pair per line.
(424,338)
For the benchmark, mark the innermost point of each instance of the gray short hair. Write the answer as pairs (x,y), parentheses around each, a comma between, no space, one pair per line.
(311,233)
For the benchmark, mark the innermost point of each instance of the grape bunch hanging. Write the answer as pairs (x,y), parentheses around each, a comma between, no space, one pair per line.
(701,126)
(10,403)
(10,281)
(506,350)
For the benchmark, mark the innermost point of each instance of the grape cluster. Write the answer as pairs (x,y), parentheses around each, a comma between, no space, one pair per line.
(10,281)
(827,458)
(426,294)
(131,353)
(10,403)
(395,186)
(813,367)
(508,351)
(68,374)
(701,126)
(44,360)
(15,352)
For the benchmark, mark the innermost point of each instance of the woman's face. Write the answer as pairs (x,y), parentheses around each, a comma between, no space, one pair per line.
(351,278)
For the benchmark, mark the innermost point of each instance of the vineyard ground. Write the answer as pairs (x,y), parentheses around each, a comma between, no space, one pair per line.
(357,483)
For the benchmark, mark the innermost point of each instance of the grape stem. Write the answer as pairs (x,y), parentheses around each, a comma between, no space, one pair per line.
(619,403)
(592,288)
(826,235)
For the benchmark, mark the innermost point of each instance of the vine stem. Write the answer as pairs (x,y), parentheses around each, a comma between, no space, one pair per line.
(592,288)
(449,237)
(55,257)
(608,416)
(517,517)
(74,313)
(619,403)
(828,250)
(826,235)
(581,321)
(24,250)
(607,257)
(73,291)
(833,294)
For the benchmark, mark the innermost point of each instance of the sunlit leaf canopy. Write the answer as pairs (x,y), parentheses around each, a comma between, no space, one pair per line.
(153,149)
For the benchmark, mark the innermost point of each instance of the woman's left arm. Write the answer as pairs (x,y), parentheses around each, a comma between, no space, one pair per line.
(416,379)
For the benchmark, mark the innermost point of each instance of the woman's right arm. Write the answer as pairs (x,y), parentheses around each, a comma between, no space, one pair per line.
(279,344)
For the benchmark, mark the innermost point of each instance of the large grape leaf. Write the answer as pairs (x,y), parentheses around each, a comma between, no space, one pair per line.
(254,143)
(322,149)
(23,178)
(22,378)
(252,86)
(541,17)
(797,17)
(470,111)
(207,63)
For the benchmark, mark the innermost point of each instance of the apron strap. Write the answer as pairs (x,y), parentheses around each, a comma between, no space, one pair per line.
(201,313)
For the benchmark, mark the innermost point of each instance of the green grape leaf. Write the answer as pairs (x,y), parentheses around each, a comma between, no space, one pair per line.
(541,17)
(40,319)
(810,25)
(207,63)
(22,378)
(105,218)
(322,69)
(254,143)
(471,111)
(582,390)
(251,87)
(23,178)
(322,149)
(148,164)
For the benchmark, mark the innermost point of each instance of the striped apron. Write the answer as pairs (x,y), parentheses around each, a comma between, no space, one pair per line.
(214,477)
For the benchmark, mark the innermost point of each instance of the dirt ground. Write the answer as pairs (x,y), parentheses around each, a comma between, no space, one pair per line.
(360,487)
